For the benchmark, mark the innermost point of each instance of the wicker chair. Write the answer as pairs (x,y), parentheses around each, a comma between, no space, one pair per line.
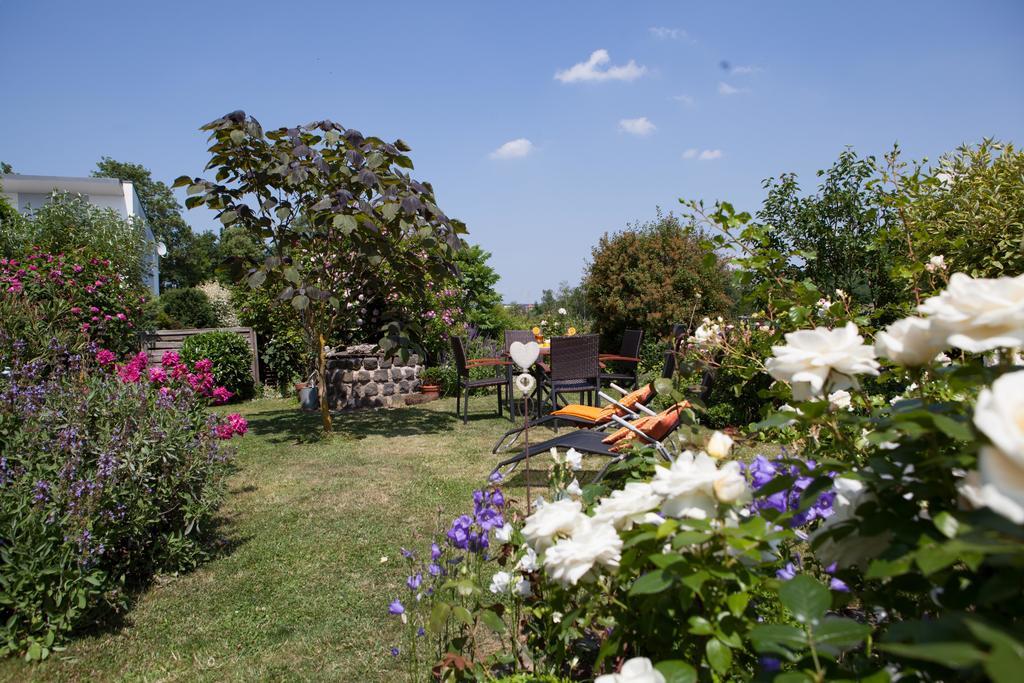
(628,360)
(463,366)
(574,368)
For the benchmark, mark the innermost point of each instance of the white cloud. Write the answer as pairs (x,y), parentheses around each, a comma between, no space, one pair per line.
(746,70)
(702,155)
(664,33)
(590,71)
(513,149)
(640,126)
(685,99)
(726,89)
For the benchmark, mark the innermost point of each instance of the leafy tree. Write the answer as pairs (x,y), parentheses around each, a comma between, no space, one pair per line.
(188,308)
(477,279)
(238,248)
(969,209)
(837,231)
(190,257)
(349,231)
(652,275)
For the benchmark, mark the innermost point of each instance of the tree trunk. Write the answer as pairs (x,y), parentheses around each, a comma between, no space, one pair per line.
(321,371)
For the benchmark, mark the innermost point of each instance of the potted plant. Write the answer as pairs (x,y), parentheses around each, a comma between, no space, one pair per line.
(430,382)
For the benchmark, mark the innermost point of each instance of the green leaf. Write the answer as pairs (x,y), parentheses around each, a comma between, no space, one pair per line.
(677,671)
(780,639)
(840,632)
(954,654)
(652,582)
(699,626)
(952,428)
(806,598)
(438,617)
(718,655)
(463,615)
(936,557)
(947,524)
(492,621)
(737,602)
(300,302)
(291,273)
(345,223)
(1005,664)
(257,279)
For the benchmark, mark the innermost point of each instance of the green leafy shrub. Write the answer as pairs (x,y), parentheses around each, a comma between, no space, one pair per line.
(286,358)
(188,309)
(75,301)
(231,356)
(652,275)
(106,478)
(68,224)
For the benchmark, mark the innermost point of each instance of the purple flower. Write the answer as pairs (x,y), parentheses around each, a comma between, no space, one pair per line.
(838,585)
(420,632)
(788,572)
(414,581)
(770,664)
(433,569)
(495,477)
(408,554)
(498,499)
(396,607)
(435,551)
(395,652)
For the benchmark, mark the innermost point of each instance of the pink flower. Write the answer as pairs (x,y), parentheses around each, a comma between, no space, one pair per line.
(76,310)
(93,309)
(204,365)
(221,395)
(105,357)
(122,317)
(157,375)
(238,423)
(170,359)
(85,327)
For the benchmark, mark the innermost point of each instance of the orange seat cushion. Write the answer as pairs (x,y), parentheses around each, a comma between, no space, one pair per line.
(654,426)
(591,413)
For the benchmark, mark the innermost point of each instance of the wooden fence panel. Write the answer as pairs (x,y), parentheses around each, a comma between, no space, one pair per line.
(156,343)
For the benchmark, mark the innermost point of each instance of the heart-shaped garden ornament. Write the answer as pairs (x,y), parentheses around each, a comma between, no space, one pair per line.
(524,355)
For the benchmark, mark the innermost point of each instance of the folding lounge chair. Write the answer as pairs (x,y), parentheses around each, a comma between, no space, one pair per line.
(631,404)
(599,442)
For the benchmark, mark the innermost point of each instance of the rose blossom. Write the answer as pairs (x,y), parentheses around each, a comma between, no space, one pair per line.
(635,670)
(551,521)
(628,506)
(687,487)
(592,543)
(979,314)
(812,359)
(719,445)
(911,342)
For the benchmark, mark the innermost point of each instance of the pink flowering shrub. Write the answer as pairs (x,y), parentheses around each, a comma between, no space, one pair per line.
(106,478)
(75,300)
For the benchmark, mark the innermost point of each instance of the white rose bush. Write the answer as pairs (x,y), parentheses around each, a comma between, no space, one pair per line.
(882,539)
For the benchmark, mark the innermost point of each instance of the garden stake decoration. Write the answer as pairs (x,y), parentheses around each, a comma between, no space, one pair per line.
(525,355)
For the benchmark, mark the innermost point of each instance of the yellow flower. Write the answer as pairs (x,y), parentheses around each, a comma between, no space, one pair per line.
(571,331)
(535,330)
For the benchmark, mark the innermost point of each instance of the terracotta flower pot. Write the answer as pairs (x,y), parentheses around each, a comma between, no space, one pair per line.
(431,390)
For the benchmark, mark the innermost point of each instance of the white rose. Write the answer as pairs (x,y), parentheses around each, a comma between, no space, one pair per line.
(627,506)
(500,582)
(999,414)
(936,263)
(687,487)
(852,549)
(979,314)
(911,342)
(504,534)
(839,400)
(988,495)
(812,359)
(636,670)
(573,489)
(561,311)
(551,521)
(570,559)
(522,587)
(719,445)
(574,459)
(528,562)
(731,487)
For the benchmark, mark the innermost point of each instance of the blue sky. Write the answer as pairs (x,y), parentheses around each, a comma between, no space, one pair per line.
(661,118)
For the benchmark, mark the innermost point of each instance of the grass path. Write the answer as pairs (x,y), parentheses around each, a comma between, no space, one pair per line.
(301,594)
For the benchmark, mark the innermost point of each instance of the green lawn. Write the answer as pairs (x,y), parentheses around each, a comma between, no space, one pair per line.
(300,591)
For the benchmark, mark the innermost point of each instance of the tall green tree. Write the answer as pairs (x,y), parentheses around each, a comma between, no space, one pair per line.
(838,229)
(652,275)
(480,302)
(349,232)
(191,257)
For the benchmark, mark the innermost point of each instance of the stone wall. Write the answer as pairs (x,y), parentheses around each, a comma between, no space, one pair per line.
(357,377)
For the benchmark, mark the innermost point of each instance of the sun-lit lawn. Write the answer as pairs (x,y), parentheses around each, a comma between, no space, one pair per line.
(301,592)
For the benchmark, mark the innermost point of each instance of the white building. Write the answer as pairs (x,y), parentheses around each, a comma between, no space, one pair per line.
(28,192)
